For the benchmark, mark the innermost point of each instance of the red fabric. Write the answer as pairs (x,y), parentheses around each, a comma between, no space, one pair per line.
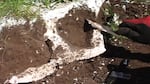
(145,20)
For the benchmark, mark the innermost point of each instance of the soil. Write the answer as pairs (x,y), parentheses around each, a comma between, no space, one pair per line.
(23,46)
(73,24)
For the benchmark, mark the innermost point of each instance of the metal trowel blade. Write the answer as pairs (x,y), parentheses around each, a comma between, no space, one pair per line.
(101,28)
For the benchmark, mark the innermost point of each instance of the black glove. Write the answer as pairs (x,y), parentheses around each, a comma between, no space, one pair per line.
(136,32)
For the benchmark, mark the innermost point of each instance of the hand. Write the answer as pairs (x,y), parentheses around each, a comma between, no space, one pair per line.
(136,32)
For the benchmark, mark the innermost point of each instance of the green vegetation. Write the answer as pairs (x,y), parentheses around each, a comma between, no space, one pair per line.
(19,8)
(111,17)
(22,8)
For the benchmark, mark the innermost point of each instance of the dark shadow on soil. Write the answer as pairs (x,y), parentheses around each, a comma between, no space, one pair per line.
(136,76)
(120,52)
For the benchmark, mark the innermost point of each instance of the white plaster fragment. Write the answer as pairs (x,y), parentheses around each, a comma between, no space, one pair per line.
(34,73)
(10,21)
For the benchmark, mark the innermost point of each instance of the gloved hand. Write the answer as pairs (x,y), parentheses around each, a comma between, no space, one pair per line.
(136,29)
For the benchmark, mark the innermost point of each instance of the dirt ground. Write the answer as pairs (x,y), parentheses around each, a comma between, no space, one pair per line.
(24,46)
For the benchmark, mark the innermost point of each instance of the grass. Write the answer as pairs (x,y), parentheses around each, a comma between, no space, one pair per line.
(17,8)
(22,8)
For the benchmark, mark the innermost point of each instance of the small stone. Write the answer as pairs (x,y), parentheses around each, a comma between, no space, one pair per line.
(115,40)
(31,61)
(68,73)
(103,64)
(95,72)
(58,75)
(37,52)
(112,60)
(75,79)
(92,60)
(60,67)
(25,41)
(1,48)
(100,68)
(124,7)
(77,18)
(70,14)
(75,68)
(47,81)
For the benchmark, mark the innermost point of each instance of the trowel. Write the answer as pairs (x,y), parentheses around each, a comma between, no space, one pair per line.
(89,24)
